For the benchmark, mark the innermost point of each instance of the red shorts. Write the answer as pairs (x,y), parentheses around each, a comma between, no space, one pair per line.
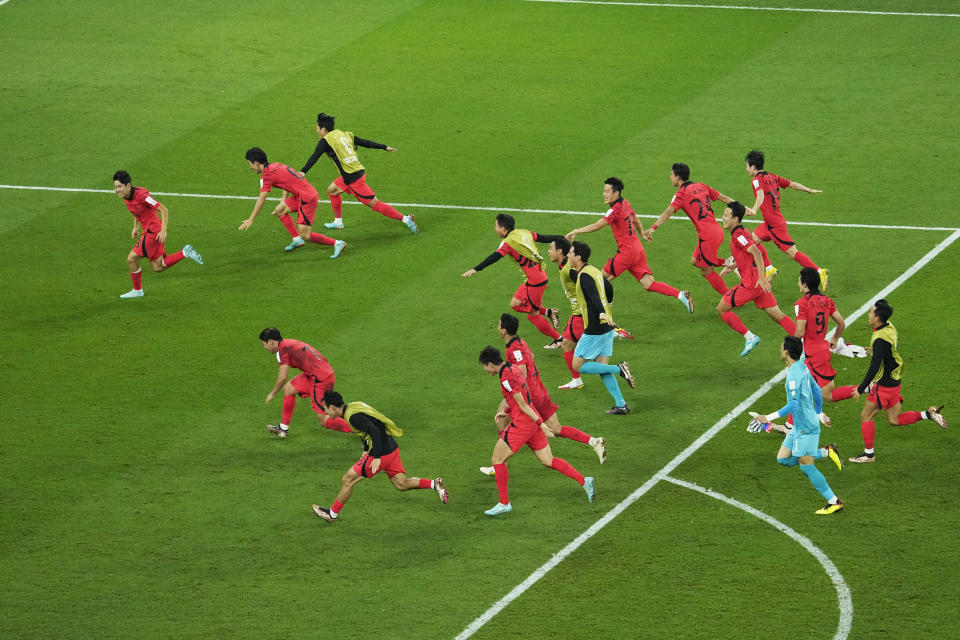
(306,209)
(820,368)
(544,405)
(741,295)
(358,189)
(574,328)
(707,252)
(777,233)
(884,397)
(389,464)
(309,387)
(148,246)
(530,296)
(635,263)
(526,433)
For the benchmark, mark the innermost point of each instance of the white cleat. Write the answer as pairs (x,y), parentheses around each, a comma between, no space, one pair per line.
(338,248)
(849,350)
(336,224)
(499,508)
(488,471)
(133,293)
(192,253)
(600,446)
(295,243)
(441,489)
(576,383)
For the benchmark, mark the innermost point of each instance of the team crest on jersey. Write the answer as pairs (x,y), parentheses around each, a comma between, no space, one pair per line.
(792,384)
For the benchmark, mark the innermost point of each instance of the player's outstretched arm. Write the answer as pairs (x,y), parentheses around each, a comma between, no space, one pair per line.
(590,228)
(663,217)
(800,187)
(246,224)
(282,374)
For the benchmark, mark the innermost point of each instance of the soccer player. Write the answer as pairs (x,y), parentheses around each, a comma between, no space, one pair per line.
(519,246)
(526,428)
(753,281)
(883,382)
(695,200)
(557,252)
(766,188)
(380,453)
(802,445)
(299,195)
(152,231)
(592,355)
(316,379)
(630,255)
(341,148)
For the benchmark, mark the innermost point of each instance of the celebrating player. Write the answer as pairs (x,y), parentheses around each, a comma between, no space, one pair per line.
(802,445)
(753,281)
(630,255)
(525,428)
(341,148)
(883,382)
(695,200)
(518,245)
(380,453)
(299,195)
(152,231)
(557,252)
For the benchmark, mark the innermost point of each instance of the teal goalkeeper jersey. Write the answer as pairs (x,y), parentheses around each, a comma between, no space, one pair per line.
(804,399)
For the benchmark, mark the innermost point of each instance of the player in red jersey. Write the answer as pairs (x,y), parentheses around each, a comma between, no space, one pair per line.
(341,148)
(298,195)
(695,200)
(526,428)
(766,188)
(150,231)
(630,255)
(316,378)
(753,281)
(519,246)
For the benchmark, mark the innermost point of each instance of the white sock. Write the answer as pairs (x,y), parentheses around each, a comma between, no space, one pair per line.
(405,219)
(433,484)
(284,427)
(834,500)
(924,415)
(332,514)
(868,450)
(749,335)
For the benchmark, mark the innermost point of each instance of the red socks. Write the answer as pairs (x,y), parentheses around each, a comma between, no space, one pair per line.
(909,417)
(319,238)
(425,483)
(564,467)
(337,505)
(169,261)
(543,325)
(289,404)
(804,260)
(734,322)
(502,476)
(336,203)
(788,325)
(137,277)
(288,225)
(572,433)
(717,283)
(842,393)
(867,430)
(664,289)
(384,209)
(568,357)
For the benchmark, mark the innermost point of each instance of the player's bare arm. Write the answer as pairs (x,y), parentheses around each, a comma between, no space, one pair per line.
(752,211)
(246,224)
(800,187)
(841,325)
(164,219)
(801,327)
(282,374)
(761,271)
(663,217)
(590,228)
(136,229)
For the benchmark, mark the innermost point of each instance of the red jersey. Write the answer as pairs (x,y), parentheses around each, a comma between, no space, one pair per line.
(518,352)
(511,382)
(770,184)
(694,199)
(620,216)
(144,208)
(282,176)
(531,268)
(740,241)
(302,356)
(816,310)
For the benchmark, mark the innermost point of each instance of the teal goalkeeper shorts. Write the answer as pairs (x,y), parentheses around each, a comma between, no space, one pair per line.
(590,346)
(802,445)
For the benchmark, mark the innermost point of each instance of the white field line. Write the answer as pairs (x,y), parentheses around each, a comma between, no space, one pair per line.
(3,2)
(415,205)
(742,8)
(737,411)
(843,591)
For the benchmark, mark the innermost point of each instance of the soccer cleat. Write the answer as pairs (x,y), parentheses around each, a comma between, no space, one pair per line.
(771,272)
(824,278)
(133,293)
(830,508)
(590,486)
(576,383)
(338,248)
(295,243)
(323,514)
(412,225)
(600,446)
(862,458)
(750,344)
(277,429)
(488,471)
(499,508)
(834,455)
(625,373)
(441,490)
(618,411)
(336,224)
(553,315)
(191,253)
(936,416)
(687,301)
(555,344)
(620,332)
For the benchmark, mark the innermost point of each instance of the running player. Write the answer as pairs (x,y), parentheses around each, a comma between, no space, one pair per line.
(298,195)
(753,281)
(341,148)
(519,245)
(150,231)
(557,252)
(802,445)
(882,382)
(766,188)
(526,428)
(380,453)
(695,200)
(630,255)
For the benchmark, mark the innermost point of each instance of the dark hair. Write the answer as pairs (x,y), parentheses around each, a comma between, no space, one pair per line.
(562,244)
(122,177)
(755,159)
(509,323)
(794,347)
(506,221)
(615,183)
(810,277)
(256,154)
(582,249)
(490,355)
(882,309)
(270,333)
(332,398)
(681,170)
(737,209)
(325,120)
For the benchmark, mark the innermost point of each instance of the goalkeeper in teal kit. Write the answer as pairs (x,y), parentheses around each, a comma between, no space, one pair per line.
(802,445)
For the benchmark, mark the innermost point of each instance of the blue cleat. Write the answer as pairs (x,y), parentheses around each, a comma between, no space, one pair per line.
(687,301)
(499,508)
(191,253)
(336,224)
(412,225)
(296,243)
(748,347)
(338,249)
(589,485)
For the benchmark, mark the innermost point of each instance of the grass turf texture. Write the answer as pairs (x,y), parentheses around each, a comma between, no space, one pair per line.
(141,495)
